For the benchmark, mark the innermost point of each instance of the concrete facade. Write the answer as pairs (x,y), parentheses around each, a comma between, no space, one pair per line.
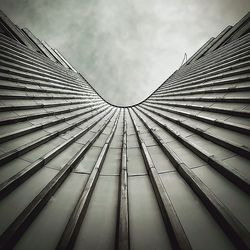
(77,172)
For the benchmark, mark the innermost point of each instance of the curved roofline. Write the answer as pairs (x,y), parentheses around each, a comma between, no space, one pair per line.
(221,38)
(124,106)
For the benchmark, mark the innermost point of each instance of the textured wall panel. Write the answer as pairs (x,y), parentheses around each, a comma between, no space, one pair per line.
(171,172)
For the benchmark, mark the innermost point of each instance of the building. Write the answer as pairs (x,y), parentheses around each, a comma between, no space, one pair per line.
(169,173)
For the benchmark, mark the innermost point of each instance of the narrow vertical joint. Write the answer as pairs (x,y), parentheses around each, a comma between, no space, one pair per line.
(122,239)
(237,233)
(73,226)
(12,234)
(178,238)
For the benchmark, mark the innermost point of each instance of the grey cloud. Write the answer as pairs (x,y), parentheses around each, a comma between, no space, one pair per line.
(125,48)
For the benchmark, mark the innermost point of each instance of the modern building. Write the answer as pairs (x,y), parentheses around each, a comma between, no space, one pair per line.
(171,172)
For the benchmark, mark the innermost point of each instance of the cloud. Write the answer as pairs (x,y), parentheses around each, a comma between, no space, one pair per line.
(125,48)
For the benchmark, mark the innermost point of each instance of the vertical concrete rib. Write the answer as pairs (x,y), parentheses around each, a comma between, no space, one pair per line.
(72,228)
(237,233)
(12,183)
(228,172)
(196,148)
(15,230)
(122,239)
(232,146)
(174,228)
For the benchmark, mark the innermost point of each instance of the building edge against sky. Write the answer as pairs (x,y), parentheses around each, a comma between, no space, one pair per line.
(171,172)
(26,37)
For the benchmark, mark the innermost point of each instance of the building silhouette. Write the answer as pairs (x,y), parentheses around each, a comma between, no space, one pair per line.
(171,172)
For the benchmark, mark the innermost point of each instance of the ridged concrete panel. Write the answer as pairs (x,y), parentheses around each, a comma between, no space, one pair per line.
(169,173)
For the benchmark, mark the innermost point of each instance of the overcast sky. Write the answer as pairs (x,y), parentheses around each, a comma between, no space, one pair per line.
(125,48)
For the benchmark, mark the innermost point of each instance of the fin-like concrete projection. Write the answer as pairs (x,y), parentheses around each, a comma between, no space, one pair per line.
(171,172)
